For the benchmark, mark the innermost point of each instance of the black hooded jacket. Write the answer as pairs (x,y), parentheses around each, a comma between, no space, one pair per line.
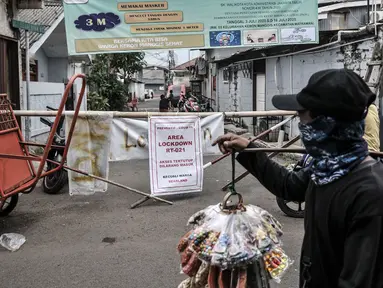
(343,221)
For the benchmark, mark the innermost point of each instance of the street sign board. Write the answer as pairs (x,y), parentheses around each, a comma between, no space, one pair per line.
(100,26)
(28,26)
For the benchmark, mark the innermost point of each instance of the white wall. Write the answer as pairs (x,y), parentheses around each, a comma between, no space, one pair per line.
(238,98)
(181,80)
(224,89)
(58,69)
(214,55)
(261,91)
(42,94)
(278,80)
(77,68)
(42,65)
(246,96)
(139,88)
(278,69)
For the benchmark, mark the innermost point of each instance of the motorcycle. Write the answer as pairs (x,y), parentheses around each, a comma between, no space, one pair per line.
(195,104)
(191,105)
(206,104)
(181,103)
(53,183)
(284,204)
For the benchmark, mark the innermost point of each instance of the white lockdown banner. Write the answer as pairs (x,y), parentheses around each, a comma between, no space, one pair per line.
(175,153)
(129,138)
(212,127)
(89,152)
(99,139)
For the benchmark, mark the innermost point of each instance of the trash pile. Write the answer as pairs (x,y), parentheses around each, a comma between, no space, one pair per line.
(232,247)
(12,241)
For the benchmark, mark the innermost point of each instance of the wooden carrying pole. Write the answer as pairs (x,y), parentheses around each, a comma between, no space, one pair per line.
(259,136)
(283,149)
(298,150)
(271,155)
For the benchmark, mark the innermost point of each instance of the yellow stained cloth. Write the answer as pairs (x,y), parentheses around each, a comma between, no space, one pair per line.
(371,130)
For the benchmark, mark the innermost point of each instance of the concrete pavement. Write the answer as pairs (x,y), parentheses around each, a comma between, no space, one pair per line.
(99,242)
(150,105)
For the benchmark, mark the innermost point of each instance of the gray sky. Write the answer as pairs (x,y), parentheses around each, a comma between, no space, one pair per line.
(160,57)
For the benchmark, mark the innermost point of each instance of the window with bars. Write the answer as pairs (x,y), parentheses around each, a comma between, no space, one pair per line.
(33,69)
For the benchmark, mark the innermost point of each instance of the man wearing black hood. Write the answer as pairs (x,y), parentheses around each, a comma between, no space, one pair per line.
(342,187)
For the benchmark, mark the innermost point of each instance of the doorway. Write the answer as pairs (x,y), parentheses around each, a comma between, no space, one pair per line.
(9,71)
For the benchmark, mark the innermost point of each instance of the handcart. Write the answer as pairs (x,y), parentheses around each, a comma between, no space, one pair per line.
(17,173)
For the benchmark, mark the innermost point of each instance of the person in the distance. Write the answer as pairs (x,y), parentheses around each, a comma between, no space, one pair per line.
(372,128)
(164,104)
(342,187)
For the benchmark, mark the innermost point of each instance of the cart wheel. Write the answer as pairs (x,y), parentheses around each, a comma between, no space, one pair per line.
(29,190)
(8,204)
(298,212)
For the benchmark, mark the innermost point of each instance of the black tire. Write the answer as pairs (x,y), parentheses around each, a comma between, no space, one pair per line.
(8,205)
(53,183)
(282,204)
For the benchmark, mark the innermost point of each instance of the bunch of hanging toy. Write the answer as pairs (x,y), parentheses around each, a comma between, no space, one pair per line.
(237,246)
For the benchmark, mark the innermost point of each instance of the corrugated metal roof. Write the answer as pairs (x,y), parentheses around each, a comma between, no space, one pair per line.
(186,65)
(45,17)
(353,18)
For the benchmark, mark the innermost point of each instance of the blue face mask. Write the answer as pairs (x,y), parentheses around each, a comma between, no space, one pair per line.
(336,147)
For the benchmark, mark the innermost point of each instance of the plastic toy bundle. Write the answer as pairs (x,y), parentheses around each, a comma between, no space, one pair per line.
(233,241)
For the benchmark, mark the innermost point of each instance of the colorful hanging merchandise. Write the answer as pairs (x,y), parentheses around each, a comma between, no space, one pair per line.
(235,246)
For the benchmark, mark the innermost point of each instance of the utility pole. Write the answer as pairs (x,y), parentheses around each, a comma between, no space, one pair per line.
(27,27)
(172,62)
(27,84)
(171,65)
